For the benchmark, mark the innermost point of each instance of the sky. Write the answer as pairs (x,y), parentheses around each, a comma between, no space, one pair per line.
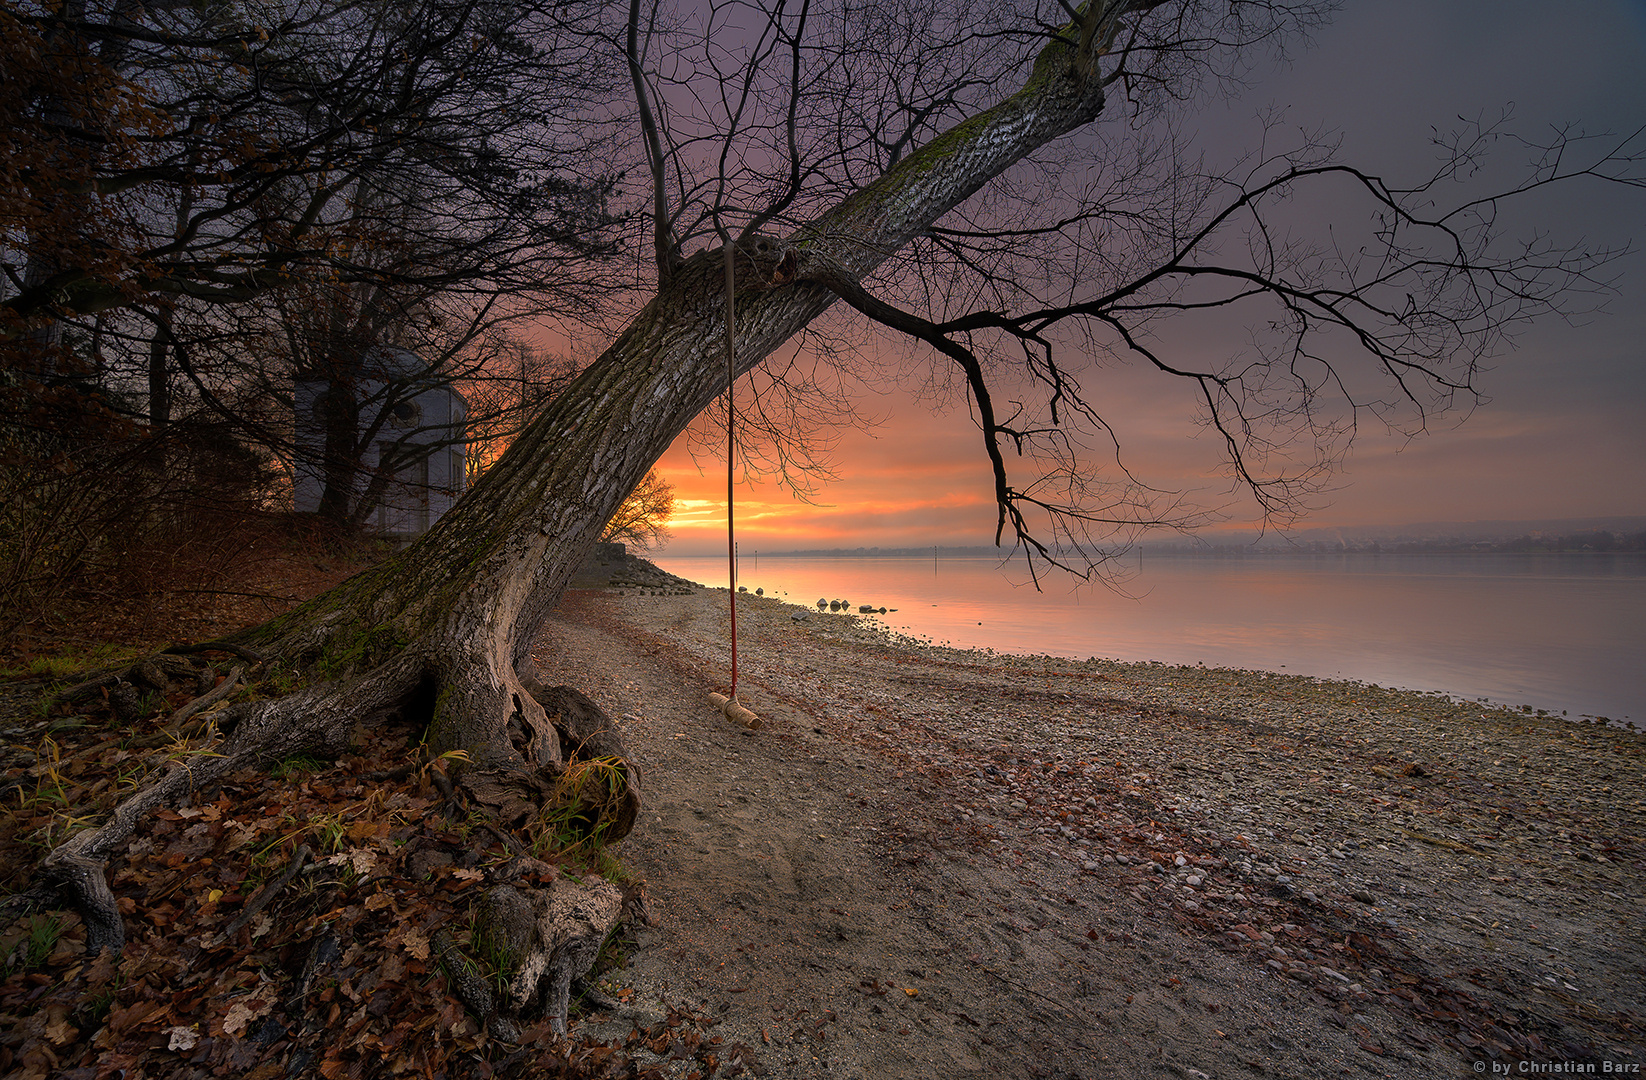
(1562,434)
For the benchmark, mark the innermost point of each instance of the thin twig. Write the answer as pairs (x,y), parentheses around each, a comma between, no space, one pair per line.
(211,697)
(264,895)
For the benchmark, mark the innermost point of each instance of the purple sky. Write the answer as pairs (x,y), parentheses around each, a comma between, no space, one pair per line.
(1563,434)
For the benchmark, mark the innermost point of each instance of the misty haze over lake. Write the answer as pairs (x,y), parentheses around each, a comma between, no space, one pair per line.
(1557,632)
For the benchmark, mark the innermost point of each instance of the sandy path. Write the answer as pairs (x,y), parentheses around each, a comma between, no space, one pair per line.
(801,894)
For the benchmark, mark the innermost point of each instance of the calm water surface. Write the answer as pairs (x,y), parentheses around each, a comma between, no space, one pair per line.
(1557,632)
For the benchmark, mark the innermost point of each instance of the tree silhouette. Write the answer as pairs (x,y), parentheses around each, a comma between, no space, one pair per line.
(865,153)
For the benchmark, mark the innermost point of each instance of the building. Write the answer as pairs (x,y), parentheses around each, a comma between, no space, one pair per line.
(407,417)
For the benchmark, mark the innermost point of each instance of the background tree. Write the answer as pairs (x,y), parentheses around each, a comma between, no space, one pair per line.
(201,202)
(831,165)
(296,136)
(515,381)
(375,155)
(642,519)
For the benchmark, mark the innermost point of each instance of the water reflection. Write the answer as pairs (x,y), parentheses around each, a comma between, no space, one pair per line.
(1555,632)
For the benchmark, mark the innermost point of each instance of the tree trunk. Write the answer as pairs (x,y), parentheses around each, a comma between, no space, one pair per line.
(340,454)
(447,626)
(160,347)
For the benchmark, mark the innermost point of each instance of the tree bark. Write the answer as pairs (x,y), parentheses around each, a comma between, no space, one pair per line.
(470,595)
(450,622)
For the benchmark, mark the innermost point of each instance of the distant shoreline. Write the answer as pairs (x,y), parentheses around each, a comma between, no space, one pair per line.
(1597,535)
(1232,551)
(1329,615)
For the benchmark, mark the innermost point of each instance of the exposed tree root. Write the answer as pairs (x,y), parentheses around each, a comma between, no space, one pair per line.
(79,867)
(251,656)
(556,772)
(206,700)
(319,718)
(153,670)
(547,937)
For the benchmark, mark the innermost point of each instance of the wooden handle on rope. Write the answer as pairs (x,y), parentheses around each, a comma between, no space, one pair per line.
(734,710)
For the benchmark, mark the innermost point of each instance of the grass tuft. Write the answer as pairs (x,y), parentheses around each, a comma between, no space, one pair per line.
(587,800)
(297,764)
(30,941)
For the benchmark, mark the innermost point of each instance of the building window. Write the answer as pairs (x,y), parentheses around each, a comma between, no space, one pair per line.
(406,414)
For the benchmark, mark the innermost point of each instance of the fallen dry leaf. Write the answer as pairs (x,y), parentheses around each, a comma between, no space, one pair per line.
(362,860)
(59,1032)
(414,942)
(181,1038)
(244,1011)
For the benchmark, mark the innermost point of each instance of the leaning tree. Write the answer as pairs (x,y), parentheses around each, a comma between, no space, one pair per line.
(864,153)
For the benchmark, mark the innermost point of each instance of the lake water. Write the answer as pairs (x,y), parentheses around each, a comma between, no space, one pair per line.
(1557,632)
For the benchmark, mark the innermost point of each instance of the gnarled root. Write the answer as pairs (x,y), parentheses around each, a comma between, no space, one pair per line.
(319,718)
(79,866)
(546,938)
(591,793)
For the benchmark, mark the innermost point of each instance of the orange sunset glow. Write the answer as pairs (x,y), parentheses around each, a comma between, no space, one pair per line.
(1558,435)
(1547,446)
(905,485)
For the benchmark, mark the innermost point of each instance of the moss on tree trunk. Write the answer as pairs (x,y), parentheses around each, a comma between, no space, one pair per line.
(444,629)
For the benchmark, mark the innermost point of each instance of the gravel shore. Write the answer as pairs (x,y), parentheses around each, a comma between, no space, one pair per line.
(1126,869)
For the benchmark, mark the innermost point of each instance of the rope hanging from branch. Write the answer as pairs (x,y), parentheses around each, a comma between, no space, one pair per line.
(728,704)
(730,250)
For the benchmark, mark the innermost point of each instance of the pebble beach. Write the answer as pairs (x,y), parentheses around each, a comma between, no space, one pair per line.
(1447,881)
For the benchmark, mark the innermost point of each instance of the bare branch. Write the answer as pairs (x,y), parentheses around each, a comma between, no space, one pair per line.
(666,247)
